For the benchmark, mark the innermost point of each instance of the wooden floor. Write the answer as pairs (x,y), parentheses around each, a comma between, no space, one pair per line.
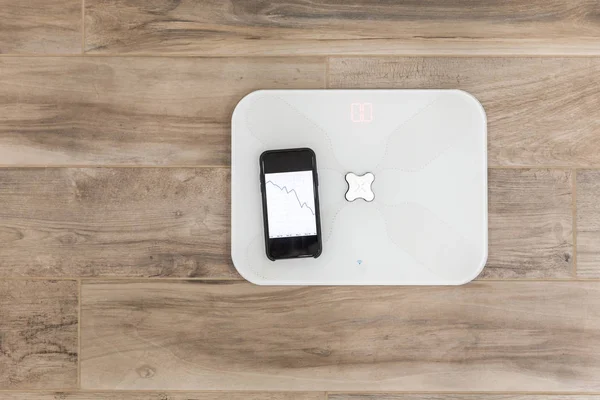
(115,276)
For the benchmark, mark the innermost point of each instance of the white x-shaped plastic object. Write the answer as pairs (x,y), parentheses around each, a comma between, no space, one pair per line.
(359,187)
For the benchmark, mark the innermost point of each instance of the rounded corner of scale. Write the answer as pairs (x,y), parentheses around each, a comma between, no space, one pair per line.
(247,98)
(474,100)
(475,273)
(244,274)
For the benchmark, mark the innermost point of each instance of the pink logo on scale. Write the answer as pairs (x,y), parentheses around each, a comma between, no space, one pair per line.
(361,112)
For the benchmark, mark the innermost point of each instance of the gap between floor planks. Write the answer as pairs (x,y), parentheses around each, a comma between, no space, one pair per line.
(79,285)
(233,279)
(191,166)
(474,393)
(574,221)
(316,55)
(336,393)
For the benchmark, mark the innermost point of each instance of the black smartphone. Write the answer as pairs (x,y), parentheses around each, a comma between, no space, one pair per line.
(289,183)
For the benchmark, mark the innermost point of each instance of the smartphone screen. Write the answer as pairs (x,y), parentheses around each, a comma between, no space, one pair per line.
(290,203)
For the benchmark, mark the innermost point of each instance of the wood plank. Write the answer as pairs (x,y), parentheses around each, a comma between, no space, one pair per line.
(38,334)
(115,222)
(34,27)
(451,396)
(174,222)
(541,111)
(486,336)
(588,224)
(530,224)
(164,396)
(336,27)
(132,111)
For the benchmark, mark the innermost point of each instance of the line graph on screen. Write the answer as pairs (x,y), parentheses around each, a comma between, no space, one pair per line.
(290,204)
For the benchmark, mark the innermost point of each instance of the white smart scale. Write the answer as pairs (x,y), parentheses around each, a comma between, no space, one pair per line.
(402,185)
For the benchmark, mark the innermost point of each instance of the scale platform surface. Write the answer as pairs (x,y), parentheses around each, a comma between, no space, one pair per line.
(427,150)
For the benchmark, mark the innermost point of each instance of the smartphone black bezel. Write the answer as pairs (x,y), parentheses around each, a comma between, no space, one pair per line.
(298,159)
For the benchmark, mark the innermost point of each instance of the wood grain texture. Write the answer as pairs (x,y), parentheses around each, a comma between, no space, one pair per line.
(149,222)
(38,334)
(486,336)
(588,224)
(40,27)
(404,396)
(541,111)
(132,111)
(174,222)
(530,224)
(295,27)
(165,396)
